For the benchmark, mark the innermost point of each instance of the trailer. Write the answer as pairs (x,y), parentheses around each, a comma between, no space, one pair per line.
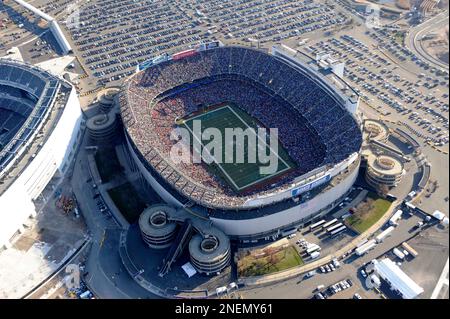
(385,233)
(362,242)
(315,225)
(366,247)
(409,249)
(328,224)
(393,220)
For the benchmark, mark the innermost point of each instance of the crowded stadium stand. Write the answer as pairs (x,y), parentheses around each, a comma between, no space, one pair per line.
(321,137)
(39,122)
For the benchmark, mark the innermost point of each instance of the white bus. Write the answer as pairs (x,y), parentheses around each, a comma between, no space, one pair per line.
(330,229)
(338,231)
(315,225)
(328,224)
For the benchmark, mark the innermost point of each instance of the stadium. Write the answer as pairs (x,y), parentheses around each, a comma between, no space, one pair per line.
(40,119)
(319,138)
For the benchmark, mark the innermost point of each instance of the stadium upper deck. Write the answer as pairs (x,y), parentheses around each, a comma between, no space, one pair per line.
(41,88)
(270,90)
(40,118)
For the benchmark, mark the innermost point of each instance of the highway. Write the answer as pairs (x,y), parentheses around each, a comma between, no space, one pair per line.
(414,38)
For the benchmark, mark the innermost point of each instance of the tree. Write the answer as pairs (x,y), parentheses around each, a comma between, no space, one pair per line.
(383,190)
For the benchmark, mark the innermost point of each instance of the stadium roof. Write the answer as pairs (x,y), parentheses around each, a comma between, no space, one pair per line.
(400,281)
(20,150)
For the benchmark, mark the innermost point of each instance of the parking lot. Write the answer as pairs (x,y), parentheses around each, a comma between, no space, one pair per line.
(112,37)
(421,102)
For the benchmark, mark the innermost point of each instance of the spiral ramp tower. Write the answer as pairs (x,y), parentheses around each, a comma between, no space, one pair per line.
(106,99)
(376,130)
(210,251)
(383,171)
(163,227)
(102,128)
(157,231)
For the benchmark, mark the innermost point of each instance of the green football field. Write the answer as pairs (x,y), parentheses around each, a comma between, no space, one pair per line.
(239,176)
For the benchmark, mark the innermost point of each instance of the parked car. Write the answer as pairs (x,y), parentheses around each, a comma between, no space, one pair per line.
(319,296)
(336,263)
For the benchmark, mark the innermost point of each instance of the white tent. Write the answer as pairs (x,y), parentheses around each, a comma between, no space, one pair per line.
(398,280)
(189,269)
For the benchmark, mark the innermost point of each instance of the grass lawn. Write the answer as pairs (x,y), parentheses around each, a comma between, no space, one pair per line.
(108,164)
(284,259)
(368,213)
(127,201)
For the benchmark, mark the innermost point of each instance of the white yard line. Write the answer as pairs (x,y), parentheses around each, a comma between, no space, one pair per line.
(220,166)
(441,282)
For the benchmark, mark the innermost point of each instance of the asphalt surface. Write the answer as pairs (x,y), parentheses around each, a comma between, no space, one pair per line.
(416,34)
(301,288)
(105,274)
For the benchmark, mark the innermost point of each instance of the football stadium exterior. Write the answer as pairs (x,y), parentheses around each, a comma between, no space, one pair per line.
(317,128)
(40,119)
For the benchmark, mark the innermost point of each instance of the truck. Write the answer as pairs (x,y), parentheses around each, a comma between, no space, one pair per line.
(411,195)
(411,208)
(398,253)
(362,242)
(394,219)
(311,248)
(315,255)
(366,247)
(385,233)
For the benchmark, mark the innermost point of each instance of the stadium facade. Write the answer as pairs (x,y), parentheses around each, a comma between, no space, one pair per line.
(40,118)
(326,145)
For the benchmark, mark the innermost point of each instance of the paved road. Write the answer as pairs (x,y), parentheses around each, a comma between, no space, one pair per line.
(414,38)
(303,288)
(106,276)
